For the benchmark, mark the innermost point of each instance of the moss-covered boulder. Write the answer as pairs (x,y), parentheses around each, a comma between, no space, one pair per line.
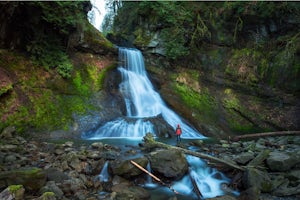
(15,192)
(31,178)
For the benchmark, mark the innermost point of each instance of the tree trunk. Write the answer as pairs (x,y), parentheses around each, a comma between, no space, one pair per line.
(150,143)
(267,134)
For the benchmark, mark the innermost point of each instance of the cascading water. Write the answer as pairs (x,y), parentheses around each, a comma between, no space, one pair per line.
(142,102)
(208,180)
(104,175)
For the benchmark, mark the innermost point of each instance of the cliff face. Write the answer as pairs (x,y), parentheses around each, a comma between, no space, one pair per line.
(52,64)
(227,67)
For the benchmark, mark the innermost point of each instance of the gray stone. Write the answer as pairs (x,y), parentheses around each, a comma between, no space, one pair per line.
(97,145)
(125,192)
(10,158)
(52,187)
(235,145)
(8,147)
(8,132)
(170,163)
(126,169)
(68,144)
(279,161)
(56,175)
(284,190)
(244,158)
(293,175)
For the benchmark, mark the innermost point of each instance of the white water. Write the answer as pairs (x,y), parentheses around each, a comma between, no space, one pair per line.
(104,175)
(208,180)
(142,102)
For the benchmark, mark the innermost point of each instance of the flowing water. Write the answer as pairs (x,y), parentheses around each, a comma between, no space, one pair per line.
(142,103)
(104,175)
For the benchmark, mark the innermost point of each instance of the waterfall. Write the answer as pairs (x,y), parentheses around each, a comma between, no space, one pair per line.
(149,183)
(142,103)
(104,175)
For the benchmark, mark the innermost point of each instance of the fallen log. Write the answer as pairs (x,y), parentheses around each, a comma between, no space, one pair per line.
(150,143)
(153,176)
(266,134)
(196,189)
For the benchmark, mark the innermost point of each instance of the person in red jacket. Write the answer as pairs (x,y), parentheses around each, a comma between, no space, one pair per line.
(178,133)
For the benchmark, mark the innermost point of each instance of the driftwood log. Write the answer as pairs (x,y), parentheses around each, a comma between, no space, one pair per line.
(150,143)
(266,134)
(153,176)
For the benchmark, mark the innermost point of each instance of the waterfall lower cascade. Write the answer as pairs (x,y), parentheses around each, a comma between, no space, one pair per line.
(208,180)
(142,102)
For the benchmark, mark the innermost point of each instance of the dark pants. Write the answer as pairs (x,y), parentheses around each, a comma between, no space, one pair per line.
(178,138)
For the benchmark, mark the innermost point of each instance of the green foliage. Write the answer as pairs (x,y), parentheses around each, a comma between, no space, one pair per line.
(14,188)
(52,25)
(50,55)
(63,16)
(81,87)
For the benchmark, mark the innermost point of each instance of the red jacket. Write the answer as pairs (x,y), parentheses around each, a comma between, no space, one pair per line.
(178,131)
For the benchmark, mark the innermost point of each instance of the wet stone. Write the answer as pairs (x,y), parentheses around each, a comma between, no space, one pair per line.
(244,158)
(279,161)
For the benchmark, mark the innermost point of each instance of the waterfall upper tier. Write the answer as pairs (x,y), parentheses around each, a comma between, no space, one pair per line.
(142,104)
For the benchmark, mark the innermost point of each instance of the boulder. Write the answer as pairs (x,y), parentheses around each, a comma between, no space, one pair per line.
(125,192)
(125,169)
(8,132)
(280,161)
(53,188)
(31,178)
(169,163)
(47,196)
(256,178)
(53,174)
(244,158)
(15,192)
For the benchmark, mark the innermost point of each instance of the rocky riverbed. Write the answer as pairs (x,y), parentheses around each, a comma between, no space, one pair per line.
(67,170)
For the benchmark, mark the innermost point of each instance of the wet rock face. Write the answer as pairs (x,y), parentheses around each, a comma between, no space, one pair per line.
(169,163)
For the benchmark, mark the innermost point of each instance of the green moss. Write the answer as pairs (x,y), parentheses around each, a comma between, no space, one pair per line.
(14,188)
(81,87)
(48,194)
(102,74)
(5,89)
(141,38)
(203,103)
(95,37)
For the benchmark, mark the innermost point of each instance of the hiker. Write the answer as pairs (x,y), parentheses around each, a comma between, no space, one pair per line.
(178,133)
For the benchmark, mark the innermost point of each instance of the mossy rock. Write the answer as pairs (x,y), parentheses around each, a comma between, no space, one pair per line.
(31,178)
(15,192)
(47,196)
